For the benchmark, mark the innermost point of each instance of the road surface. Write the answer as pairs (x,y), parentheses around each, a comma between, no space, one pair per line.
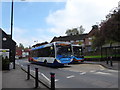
(77,75)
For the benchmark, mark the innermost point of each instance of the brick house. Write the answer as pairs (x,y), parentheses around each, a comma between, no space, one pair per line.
(75,39)
(84,40)
(20,53)
(89,38)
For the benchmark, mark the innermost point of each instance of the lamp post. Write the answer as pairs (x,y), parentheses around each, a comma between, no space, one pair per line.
(12,32)
(11,18)
(12,35)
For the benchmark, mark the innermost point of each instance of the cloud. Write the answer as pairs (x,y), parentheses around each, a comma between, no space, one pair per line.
(75,13)
(79,12)
(34,0)
(27,37)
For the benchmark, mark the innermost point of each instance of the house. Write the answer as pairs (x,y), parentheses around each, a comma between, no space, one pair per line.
(89,38)
(84,40)
(7,45)
(39,44)
(75,39)
(25,52)
(20,53)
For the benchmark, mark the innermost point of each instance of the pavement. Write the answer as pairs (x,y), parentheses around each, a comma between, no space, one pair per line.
(16,78)
(115,64)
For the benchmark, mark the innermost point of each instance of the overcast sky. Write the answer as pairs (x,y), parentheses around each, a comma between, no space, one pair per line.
(41,20)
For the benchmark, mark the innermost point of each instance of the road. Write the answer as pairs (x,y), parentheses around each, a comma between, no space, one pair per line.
(77,75)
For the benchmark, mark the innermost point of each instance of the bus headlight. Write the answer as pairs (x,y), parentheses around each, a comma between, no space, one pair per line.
(71,59)
(58,61)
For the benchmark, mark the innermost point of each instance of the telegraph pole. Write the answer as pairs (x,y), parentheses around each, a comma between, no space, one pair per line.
(12,35)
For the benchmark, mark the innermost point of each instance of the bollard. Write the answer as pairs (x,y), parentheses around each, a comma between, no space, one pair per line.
(36,77)
(111,63)
(52,81)
(28,73)
(107,60)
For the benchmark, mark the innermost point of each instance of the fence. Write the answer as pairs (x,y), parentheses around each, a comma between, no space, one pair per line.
(39,77)
(103,53)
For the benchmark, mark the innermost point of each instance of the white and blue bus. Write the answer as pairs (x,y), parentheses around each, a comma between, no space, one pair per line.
(77,52)
(52,54)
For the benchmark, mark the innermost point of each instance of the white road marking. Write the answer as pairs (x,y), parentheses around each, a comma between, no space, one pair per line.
(113,70)
(92,71)
(68,70)
(103,73)
(101,66)
(74,71)
(32,70)
(17,63)
(82,73)
(45,77)
(21,65)
(56,80)
(70,76)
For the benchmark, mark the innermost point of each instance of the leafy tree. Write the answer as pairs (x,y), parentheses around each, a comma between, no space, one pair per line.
(21,45)
(75,31)
(111,27)
(109,30)
(81,31)
(68,32)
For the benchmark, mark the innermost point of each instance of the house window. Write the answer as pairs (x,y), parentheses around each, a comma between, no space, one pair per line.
(90,38)
(72,41)
(81,40)
(83,44)
(90,43)
(77,40)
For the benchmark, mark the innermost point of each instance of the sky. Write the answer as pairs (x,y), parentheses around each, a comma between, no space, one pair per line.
(37,21)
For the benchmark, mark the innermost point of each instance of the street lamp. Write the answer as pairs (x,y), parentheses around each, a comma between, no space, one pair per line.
(11,19)
(12,31)
(11,34)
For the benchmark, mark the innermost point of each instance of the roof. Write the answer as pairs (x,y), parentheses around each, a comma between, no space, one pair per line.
(93,31)
(39,44)
(69,38)
(7,35)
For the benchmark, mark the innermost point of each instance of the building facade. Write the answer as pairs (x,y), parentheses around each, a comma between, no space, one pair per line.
(75,39)
(7,44)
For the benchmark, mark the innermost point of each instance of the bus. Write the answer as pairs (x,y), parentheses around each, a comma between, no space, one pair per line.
(77,52)
(52,54)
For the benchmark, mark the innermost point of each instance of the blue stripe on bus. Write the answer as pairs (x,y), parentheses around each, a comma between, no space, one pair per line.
(35,57)
(78,58)
(64,60)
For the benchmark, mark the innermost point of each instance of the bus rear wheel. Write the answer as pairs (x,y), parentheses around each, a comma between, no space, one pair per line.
(45,62)
(82,61)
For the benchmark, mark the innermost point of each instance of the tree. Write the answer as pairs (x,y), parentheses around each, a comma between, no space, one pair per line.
(74,31)
(109,30)
(68,32)
(21,45)
(81,30)
(29,47)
